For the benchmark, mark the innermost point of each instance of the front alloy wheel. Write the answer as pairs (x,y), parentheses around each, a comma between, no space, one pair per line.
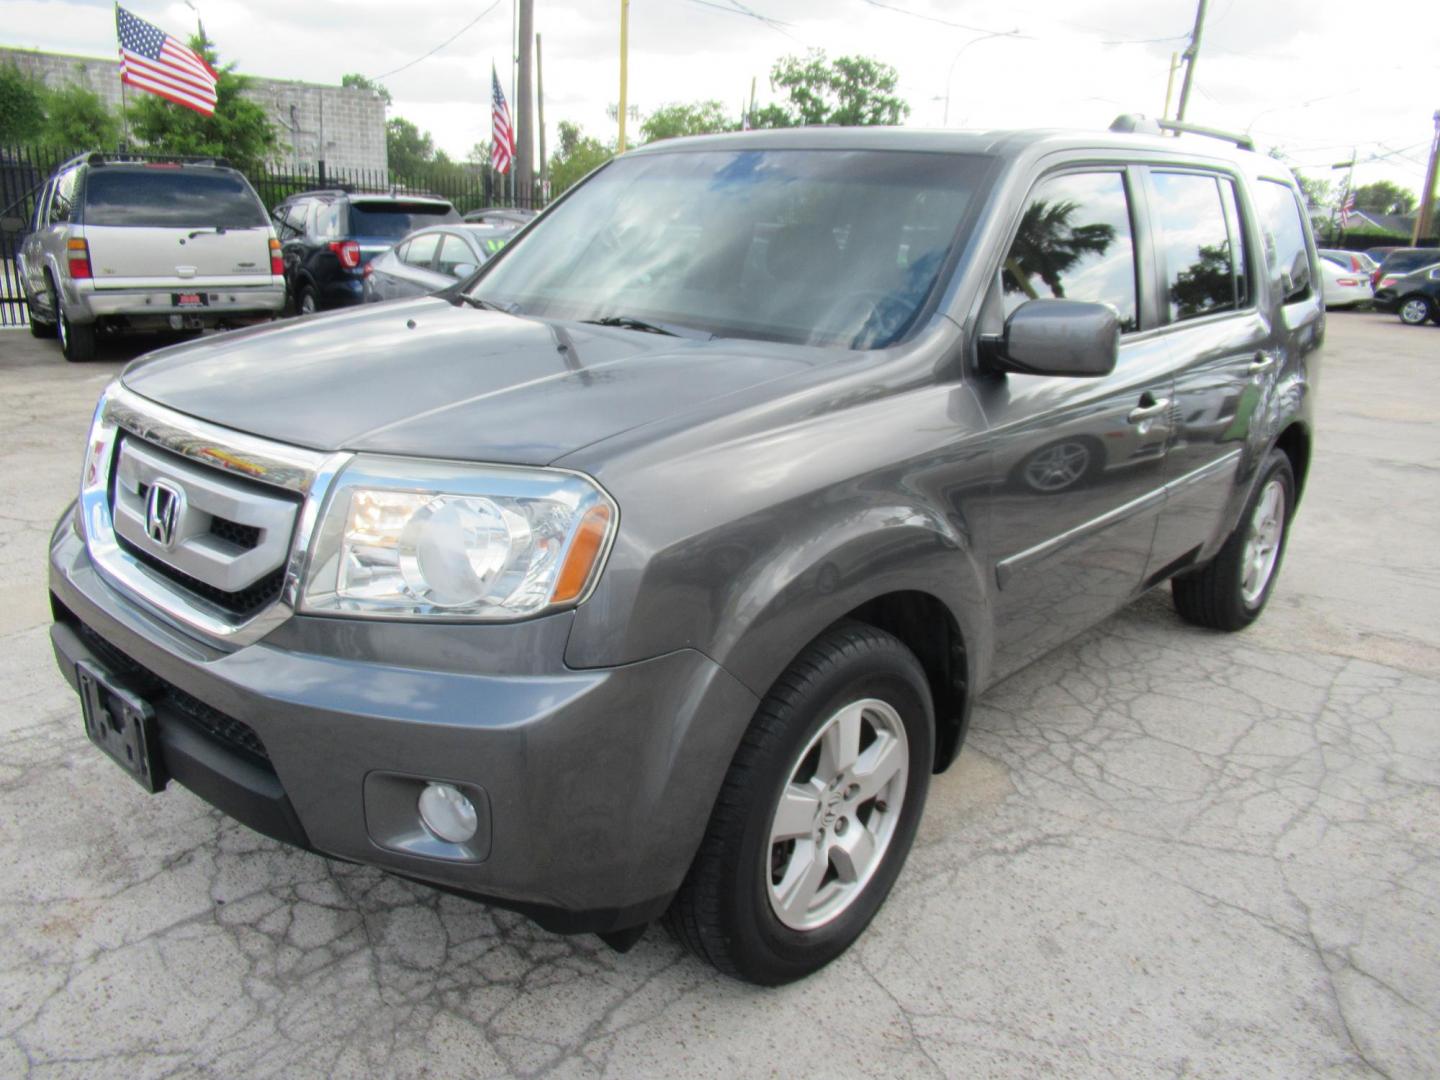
(817,813)
(837,815)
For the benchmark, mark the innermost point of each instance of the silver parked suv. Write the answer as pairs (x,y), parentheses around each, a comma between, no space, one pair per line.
(129,243)
(653,570)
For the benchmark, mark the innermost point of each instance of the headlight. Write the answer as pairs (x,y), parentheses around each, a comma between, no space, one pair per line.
(409,538)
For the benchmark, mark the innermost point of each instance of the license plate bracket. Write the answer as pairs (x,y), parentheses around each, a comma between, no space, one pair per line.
(122,724)
(189,299)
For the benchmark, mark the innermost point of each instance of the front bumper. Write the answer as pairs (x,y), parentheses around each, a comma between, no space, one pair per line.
(599,783)
(157,304)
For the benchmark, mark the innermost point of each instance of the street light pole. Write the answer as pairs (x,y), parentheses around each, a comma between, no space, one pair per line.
(950,75)
(624,70)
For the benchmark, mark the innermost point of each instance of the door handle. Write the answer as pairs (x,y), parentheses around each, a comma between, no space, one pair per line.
(1262,363)
(1142,413)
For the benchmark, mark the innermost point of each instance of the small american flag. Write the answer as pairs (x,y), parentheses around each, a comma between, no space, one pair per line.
(1346,208)
(152,60)
(502,141)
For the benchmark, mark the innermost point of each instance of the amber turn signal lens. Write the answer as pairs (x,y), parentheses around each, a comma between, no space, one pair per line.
(584,550)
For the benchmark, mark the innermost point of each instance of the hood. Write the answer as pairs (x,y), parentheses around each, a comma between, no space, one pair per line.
(431,379)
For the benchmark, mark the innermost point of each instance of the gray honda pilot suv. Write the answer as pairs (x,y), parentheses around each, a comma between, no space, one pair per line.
(653,570)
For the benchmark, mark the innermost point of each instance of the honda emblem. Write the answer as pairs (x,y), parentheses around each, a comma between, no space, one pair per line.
(164,510)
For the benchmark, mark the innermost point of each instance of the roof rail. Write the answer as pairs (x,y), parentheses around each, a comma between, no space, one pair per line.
(100,157)
(1137,124)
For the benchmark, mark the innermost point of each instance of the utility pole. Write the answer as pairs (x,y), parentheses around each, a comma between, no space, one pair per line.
(624,69)
(1426,218)
(1192,53)
(540,119)
(1170,84)
(524,133)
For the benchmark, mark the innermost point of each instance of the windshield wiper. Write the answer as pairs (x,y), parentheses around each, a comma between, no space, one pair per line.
(483,304)
(628,322)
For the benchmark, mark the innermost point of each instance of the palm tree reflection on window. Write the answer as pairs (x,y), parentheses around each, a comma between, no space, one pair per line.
(1051,250)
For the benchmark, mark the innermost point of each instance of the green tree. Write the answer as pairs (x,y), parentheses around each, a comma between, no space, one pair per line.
(576,155)
(22,106)
(697,118)
(1383,197)
(239,129)
(78,119)
(360,82)
(849,91)
(410,151)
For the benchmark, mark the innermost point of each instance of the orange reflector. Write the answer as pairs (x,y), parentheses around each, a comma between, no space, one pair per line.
(274,244)
(76,245)
(584,550)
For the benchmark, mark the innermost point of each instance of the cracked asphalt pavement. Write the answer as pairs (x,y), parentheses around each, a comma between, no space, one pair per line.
(1163,851)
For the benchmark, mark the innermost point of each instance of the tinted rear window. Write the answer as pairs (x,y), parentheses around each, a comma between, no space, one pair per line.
(171,198)
(393,220)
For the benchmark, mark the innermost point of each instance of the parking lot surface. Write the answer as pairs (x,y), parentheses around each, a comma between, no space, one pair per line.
(1163,851)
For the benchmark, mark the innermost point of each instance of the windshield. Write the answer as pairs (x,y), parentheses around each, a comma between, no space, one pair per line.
(392,220)
(819,247)
(170,197)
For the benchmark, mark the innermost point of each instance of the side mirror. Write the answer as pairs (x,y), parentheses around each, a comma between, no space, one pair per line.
(463,270)
(1056,337)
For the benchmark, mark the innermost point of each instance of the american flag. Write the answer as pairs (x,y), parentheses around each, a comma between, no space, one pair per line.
(152,60)
(1346,208)
(502,141)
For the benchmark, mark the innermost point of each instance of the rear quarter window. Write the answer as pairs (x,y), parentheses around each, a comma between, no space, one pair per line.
(171,198)
(1285,251)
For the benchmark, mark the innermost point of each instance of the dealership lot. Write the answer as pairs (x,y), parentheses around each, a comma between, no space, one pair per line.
(1163,850)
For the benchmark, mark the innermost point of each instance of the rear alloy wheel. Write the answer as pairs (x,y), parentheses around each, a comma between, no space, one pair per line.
(309,303)
(817,813)
(1415,311)
(1230,592)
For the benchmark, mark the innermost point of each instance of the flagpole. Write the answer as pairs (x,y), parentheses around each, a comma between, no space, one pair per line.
(124,104)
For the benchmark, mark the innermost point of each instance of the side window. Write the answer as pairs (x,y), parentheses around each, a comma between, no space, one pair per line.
(62,201)
(295,217)
(400,250)
(1193,237)
(422,250)
(1075,243)
(1285,251)
(326,223)
(454,252)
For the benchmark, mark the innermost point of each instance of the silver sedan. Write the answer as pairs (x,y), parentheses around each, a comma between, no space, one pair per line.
(432,259)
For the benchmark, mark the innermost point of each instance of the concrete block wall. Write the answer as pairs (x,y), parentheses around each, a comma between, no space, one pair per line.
(345,126)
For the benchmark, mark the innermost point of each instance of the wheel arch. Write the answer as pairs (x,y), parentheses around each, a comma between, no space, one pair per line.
(1294,442)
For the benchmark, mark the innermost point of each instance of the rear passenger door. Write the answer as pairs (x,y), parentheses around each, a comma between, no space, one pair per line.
(1072,519)
(1222,345)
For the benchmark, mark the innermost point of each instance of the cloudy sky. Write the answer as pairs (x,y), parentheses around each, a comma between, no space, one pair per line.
(1282,69)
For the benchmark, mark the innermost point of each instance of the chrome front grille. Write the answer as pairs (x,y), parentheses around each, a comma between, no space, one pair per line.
(195,550)
(207,526)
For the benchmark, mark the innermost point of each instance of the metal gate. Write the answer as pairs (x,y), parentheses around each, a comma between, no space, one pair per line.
(23,172)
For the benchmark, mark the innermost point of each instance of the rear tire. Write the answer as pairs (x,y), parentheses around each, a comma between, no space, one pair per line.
(1416,310)
(77,340)
(308,302)
(771,910)
(1232,589)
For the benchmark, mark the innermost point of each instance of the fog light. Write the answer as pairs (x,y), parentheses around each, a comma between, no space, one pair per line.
(447,813)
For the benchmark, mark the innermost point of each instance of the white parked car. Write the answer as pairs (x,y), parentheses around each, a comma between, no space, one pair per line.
(1345,288)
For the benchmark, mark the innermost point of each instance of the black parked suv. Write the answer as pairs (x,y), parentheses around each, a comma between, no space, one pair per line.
(654,569)
(327,237)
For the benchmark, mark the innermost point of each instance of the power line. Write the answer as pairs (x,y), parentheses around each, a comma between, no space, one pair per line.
(442,45)
(737,8)
(935,18)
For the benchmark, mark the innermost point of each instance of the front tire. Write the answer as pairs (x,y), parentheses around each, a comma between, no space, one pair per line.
(1232,589)
(308,302)
(817,813)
